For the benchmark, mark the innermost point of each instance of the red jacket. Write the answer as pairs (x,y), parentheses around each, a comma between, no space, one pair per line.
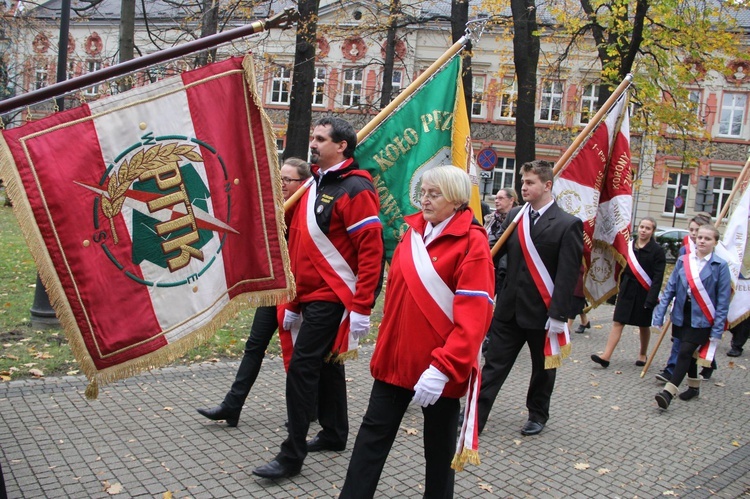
(345,198)
(407,344)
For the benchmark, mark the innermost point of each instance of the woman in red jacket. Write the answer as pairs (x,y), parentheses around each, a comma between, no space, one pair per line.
(438,306)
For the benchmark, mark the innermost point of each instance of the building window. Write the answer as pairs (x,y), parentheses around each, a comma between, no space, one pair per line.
(694,102)
(508,99)
(477,98)
(397,82)
(352,87)
(319,86)
(71,72)
(92,66)
(589,99)
(677,186)
(552,95)
(282,80)
(505,174)
(732,114)
(40,76)
(722,189)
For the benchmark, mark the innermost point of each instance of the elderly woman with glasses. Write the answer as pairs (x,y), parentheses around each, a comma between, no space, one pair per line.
(437,308)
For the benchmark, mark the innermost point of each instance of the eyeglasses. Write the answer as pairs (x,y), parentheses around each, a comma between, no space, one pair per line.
(432,196)
(288,180)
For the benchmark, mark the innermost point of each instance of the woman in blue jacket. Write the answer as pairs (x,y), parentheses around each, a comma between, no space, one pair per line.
(701,286)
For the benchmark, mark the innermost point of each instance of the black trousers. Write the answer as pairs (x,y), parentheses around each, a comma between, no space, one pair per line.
(686,363)
(506,341)
(261,332)
(310,378)
(380,425)
(740,334)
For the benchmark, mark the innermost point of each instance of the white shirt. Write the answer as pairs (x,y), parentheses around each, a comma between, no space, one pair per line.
(433,231)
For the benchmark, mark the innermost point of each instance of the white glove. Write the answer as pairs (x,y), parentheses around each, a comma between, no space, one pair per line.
(654,324)
(291,319)
(430,386)
(554,326)
(359,325)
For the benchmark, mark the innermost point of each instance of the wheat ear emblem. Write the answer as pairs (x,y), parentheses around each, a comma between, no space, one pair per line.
(143,161)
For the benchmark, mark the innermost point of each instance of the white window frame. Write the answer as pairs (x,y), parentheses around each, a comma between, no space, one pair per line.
(676,186)
(319,87)
(281,85)
(478,109)
(41,76)
(552,93)
(505,169)
(732,114)
(91,66)
(352,94)
(397,82)
(508,106)
(589,100)
(721,193)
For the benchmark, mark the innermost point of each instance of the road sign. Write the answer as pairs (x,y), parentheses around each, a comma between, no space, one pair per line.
(678,202)
(487,175)
(487,159)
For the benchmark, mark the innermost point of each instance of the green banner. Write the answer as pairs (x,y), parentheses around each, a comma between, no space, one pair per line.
(415,138)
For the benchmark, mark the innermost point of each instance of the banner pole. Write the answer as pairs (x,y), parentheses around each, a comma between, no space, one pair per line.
(282,20)
(400,98)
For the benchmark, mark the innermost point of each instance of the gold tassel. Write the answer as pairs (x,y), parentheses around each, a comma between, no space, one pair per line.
(466,456)
(92,391)
(565,351)
(552,362)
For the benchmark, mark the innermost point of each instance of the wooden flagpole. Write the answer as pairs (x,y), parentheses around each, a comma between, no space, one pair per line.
(579,141)
(393,105)
(740,180)
(282,20)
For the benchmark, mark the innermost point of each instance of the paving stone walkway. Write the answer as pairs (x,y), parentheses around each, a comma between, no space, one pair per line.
(605,438)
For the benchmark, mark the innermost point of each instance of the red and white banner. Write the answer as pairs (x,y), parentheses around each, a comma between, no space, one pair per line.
(597,187)
(153,215)
(734,249)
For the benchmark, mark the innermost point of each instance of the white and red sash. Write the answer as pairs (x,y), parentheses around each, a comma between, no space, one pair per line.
(688,244)
(558,347)
(700,295)
(435,300)
(333,268)
(635,267)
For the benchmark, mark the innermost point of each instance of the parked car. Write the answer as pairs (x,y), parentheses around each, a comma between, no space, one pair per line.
(671,240)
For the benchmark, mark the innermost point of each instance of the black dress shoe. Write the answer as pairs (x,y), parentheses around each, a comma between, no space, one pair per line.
(219,413)
(318,443)
(275,469)
(582,329)
(600,361)
(706,372)
(734,352)
(532,428)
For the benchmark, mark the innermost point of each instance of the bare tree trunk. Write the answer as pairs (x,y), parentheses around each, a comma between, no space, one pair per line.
(526,59)
(459,18)
(300,105)
(127,36)
(209,26)
(386,92)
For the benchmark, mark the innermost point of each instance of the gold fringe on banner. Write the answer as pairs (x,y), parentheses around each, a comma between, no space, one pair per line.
(466,456)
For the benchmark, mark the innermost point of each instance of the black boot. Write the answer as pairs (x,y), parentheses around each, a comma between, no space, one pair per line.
(664,397)
(219,413)
(694,389)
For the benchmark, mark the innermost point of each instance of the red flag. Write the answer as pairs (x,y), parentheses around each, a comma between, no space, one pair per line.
(153,215)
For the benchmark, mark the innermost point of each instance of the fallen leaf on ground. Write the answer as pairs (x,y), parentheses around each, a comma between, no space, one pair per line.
(37,373)
(11,357)
(169,408)
(517,441)
(411,431)
(615,407)
(72,373)
(167,495)
(4,377)
(596,396)
(602,471)
(486,486)
(669,493)
(735,443)
(582,466)
(719,384)
(115,488)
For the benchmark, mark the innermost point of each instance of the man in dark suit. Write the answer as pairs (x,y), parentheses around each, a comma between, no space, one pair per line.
(522,315)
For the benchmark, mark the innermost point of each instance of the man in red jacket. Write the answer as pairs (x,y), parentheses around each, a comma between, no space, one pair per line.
(336,252)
